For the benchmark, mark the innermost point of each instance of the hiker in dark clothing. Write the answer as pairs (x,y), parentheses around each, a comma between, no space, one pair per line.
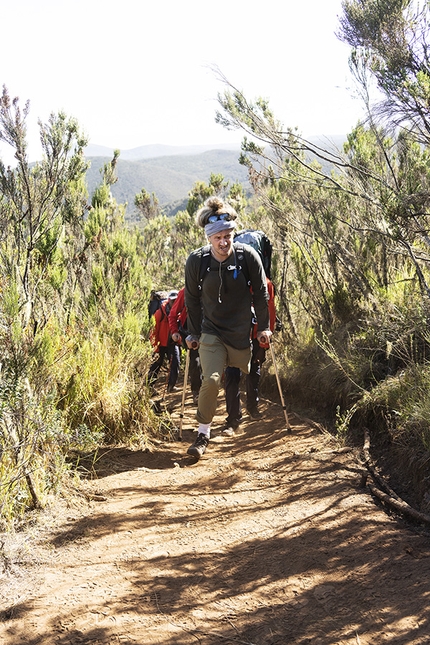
(164,345)
(219,308)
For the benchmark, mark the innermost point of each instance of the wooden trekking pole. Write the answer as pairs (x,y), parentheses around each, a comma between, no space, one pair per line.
(279,387)
(184,391)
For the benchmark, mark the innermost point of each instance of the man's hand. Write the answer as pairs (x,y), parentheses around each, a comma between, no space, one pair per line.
(263,338)
(192,342)
(176,337)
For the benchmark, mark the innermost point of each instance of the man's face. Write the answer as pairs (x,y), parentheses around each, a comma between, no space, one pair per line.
(222,244)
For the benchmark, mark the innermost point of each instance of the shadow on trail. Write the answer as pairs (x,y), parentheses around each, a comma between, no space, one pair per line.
(111,461)
(307,584)
(295,564)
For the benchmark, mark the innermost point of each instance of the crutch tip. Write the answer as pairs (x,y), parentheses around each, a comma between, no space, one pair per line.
(177,433)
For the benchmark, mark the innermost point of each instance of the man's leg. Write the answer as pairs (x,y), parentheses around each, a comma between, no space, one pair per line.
(213,356)
(156,365)
(174,356)
(232,397)
(253,379)
(195,372)
(252,382)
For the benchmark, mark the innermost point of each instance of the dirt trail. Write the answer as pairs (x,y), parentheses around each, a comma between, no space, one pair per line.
(269,539)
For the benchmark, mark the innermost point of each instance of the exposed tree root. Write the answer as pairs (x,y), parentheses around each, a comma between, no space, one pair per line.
(387,495)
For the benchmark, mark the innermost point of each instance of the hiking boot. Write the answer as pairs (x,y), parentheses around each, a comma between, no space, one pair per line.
(172,388)
(198,448)
(254,413)
(195,398)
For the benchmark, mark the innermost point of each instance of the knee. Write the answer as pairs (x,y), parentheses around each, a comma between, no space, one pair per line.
(213,382)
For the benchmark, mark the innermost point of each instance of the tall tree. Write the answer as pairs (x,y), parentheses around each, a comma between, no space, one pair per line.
(38,202)
(147,205)
(390,46)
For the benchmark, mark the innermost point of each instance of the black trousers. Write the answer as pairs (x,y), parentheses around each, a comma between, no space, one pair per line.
(173,354)
(195,373)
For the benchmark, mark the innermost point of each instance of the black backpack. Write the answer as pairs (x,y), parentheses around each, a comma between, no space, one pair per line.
(156,300)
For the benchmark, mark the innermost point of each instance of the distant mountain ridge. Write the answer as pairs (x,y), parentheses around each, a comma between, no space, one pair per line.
(151,151)
(169,176)
(171,171)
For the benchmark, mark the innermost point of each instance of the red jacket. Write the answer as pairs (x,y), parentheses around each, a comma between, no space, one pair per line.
(160,333)
(178,313)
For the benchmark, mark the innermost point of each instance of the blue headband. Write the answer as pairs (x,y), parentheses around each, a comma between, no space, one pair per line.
(216,227)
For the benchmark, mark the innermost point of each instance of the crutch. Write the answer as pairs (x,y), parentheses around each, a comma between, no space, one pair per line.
(184,391)
(279,387)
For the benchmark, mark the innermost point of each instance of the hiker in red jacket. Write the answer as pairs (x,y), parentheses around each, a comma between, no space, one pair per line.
(178,331)
(164,345)
(232,376)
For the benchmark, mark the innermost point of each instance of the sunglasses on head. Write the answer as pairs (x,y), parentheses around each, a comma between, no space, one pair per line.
(216,218)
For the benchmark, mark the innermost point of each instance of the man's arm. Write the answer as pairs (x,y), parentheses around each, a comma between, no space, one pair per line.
(174,314)
(260,297)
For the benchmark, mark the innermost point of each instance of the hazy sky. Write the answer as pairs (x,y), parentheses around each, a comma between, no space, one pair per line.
(136,73)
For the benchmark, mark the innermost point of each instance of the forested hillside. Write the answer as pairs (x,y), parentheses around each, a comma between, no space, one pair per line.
(170,172)
(171,178)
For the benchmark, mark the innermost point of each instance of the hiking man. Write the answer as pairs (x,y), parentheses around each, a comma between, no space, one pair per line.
(164,345)
(178,330)
(232,376)
(219,308)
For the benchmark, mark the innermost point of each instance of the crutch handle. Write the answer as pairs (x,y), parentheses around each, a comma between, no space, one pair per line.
(192,341)
(264,340)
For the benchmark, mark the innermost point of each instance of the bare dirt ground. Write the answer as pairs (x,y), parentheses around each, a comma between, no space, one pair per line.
(269,539)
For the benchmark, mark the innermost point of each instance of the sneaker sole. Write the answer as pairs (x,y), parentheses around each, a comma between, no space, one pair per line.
(193,452)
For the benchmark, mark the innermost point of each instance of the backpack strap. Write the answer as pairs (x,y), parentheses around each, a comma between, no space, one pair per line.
(164,313)
(205,262)
(240,254)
